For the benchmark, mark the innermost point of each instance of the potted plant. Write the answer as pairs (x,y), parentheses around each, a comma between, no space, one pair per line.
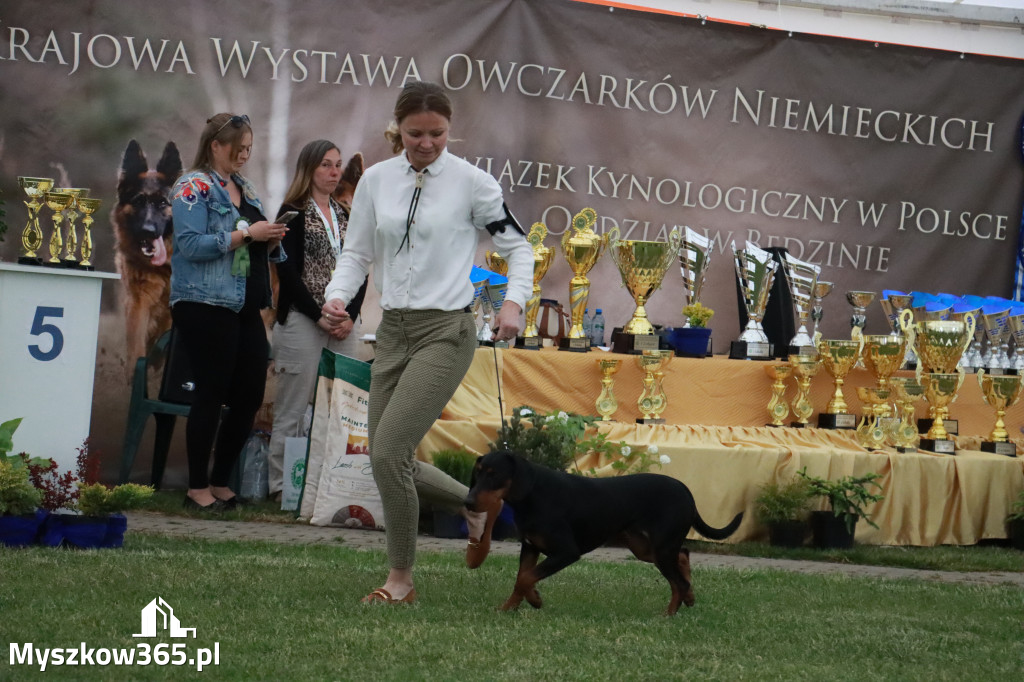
(1015,522)
(847,498)
(105,505)
(458,464)
(692,340)
(20,516)
(785,509)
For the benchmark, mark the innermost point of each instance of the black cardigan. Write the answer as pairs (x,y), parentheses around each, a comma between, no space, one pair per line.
(293,293)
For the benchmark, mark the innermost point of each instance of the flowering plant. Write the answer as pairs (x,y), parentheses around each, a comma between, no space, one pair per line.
(560,439)
(698,315)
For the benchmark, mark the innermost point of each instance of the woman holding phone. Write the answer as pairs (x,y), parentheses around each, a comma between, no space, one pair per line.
(316,236)
(220,279)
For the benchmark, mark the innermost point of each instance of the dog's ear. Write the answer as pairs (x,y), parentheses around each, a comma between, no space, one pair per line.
(353,170)
(133,171)
(522,478)
(169,167)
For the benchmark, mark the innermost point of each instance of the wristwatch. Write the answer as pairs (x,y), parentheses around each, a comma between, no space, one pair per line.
(246,237)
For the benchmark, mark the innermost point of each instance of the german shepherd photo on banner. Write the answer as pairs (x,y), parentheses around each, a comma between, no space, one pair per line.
(143,243)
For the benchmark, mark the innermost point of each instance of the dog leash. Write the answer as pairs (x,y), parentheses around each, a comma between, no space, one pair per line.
(501,407)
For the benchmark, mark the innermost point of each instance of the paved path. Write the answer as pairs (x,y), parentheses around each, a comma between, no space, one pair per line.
(297,533)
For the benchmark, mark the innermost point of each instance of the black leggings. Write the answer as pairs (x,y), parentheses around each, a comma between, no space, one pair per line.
(228,352)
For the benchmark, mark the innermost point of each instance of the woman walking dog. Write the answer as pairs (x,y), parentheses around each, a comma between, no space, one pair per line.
(417,218)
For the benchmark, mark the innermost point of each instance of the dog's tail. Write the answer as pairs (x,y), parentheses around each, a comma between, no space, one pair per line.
(716,533)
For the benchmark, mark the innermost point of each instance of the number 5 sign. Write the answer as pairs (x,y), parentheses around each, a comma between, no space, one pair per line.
(49,321)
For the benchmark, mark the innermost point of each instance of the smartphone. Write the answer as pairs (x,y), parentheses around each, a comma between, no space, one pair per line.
(286,217)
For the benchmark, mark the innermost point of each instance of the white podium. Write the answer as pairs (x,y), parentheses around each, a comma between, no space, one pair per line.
(49,319)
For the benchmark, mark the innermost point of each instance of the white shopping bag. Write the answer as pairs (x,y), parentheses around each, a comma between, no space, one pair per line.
(339,488)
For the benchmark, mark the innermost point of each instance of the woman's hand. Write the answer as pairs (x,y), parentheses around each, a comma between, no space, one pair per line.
(334,314)
(342,331)
(264,231)
(507,324)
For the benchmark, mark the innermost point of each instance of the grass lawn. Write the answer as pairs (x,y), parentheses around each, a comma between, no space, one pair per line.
(281,612)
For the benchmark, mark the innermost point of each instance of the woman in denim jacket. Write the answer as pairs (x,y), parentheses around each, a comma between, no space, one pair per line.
(220,279)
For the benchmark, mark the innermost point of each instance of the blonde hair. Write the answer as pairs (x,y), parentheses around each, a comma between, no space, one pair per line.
(217,128)
(416,97)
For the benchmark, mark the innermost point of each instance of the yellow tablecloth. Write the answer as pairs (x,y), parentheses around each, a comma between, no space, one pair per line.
(719,446)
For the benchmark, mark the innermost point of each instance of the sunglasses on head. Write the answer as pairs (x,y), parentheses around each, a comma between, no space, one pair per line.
(236,121)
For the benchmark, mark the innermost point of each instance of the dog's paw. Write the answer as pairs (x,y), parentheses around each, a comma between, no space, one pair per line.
(512,603)
(533,599)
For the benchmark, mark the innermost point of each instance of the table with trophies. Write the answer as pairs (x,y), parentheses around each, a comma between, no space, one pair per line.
(869,403)
(49,323)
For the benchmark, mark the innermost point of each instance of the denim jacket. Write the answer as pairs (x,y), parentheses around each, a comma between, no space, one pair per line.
(204,218)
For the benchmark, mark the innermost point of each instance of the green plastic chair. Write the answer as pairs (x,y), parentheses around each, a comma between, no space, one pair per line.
(141,408)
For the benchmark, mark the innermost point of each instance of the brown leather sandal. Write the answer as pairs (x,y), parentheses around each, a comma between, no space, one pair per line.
(382,596)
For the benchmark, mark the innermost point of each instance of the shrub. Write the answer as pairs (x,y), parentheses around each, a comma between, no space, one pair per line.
(456,463)
(779,502)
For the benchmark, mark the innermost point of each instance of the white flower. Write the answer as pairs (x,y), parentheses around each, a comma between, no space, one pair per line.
(625,451)
(563,417)
(525,412)
(652,450)
(664,459)
(549,418)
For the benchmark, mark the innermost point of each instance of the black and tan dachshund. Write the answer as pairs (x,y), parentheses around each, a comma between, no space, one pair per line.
(564,516)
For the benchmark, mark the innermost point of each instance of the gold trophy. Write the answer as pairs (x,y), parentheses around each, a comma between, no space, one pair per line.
(802,278)
(755,270)
(940,390)
(882,355)
(57,202)
(804,369)
(652,401)
(838,356)
(642,265)
(71,239)
(87,206)
(32,235)
(872,432)
(908,391)
(939,345)
(496,263)
(778,408)
(606,403)
(581,247)
(542,259)
(893,304)
(821,290)
(1001,392)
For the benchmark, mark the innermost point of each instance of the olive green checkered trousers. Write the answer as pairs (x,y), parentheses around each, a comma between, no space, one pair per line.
(421,358)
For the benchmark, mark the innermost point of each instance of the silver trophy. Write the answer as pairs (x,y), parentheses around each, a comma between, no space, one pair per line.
(802,278)
(997,332)
(694,258)
(479,277)
(755,269)
(971,359)
(860,300)
(494,295)
(821,290)
(1016,320)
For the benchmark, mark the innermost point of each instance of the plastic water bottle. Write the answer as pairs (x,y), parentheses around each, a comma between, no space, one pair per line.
(588,324)
(597,336)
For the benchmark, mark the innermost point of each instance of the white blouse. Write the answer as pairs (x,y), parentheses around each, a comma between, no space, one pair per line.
(430,271)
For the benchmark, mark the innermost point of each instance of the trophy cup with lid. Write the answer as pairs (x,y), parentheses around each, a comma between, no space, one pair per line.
(542,259)
(581,247)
